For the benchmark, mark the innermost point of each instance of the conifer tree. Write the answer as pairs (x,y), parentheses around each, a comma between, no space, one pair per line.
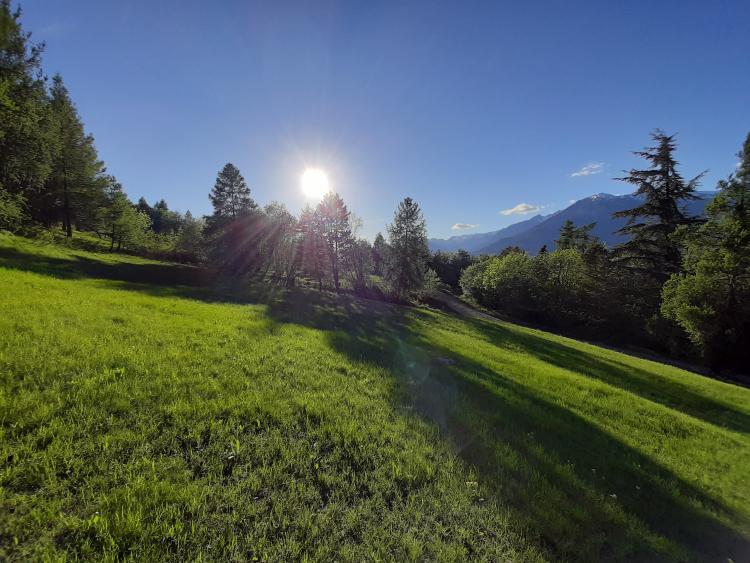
(577,238)
(335,226)
(711,299)
(230,195)
(651,249)
(26,140)
(77,175)
(379,254)
(310,246)
(408,248)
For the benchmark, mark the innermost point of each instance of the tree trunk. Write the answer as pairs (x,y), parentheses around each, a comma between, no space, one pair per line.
(66,205)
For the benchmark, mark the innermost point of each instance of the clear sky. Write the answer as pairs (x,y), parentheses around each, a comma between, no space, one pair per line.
(470,107)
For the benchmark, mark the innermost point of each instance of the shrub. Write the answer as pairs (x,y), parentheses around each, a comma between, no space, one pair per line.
(12,213)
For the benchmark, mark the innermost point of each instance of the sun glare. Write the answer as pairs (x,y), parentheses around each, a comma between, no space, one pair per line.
(314,183)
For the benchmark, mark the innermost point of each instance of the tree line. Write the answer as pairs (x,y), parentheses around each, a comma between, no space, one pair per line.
(51,177)
(679,284)
(319,246)
(50,172)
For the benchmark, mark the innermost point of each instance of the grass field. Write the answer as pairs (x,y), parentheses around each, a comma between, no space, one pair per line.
(146,414)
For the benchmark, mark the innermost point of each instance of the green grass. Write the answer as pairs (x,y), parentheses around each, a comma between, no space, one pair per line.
(145,414)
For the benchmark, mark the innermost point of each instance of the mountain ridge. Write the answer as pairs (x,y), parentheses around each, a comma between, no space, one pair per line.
(532,234)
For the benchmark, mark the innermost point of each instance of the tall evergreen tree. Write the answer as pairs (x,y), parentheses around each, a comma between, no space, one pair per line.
(577,238)
(651,249)
(27,143)
(408,248)
(78,174)
(379,254)
(311,248)
(335,226)
(711,299)
(190,236)
(230,195)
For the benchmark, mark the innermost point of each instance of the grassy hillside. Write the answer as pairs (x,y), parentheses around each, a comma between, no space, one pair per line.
(145,414)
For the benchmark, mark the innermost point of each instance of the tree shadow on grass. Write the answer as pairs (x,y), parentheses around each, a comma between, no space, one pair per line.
(646,384)
(81,267)
(580,488)
(554,467)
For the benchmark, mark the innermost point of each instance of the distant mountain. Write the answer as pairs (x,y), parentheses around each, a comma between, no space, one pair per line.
(474,242)
(534,233)
(595,209)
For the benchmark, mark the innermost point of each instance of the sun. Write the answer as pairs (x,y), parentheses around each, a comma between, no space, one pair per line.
(314,183)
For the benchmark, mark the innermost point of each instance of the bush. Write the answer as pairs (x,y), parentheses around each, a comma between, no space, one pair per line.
(430,287)
(12,214)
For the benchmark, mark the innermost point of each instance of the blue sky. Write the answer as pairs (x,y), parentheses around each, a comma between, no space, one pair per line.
(472,108)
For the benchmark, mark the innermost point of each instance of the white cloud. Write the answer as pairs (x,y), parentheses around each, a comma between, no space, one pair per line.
(463,226)
(572,201)
(521,209)
(589,170)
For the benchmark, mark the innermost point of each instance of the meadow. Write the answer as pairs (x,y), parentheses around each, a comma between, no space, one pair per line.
(148,413)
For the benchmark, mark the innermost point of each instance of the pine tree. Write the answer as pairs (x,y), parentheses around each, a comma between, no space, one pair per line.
(651,249)
(335,226)
(230,195)
(78,174)
(311,248)
(27,143)
(408,248)
(577,238)
(379,254)
(190,236)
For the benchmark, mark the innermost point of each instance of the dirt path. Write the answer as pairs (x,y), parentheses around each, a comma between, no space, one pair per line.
(459,307)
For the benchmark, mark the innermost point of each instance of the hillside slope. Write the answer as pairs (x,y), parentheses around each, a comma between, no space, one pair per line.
(594,209)
(532,234)
(476,242)
(146,419)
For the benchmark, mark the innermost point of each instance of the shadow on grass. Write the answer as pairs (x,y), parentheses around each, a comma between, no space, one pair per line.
(555,468)
(527,448)
(341,310)
(645,384)
(581,489)
(78,267)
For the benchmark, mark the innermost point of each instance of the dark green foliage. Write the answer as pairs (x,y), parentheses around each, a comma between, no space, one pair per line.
(190,237)
(379,254)
(27,142)
(334,225)
(11,211)
(230,195)
(77,180)
(711,298)
(359,264)
(235,229)
(125,225)
(449,265)
(510,250)
(577,238)
(408,254)
(311,247)
(279,244)
(579,289)
(651,248)
(163,221)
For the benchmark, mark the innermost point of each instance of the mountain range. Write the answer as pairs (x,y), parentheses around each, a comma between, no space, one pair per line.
(532,234)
